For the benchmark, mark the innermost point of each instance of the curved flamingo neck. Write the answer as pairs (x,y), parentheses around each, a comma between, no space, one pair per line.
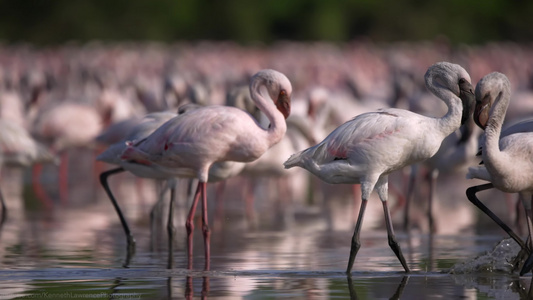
(262,100)
(451,121)
(495,123)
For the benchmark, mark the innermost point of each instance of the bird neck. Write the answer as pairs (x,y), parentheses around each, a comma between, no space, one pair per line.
(452,120)
(262,100)
(494,125)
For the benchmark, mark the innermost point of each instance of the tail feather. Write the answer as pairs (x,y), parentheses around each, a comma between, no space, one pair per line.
(316,153)
(294,161)
(112,154)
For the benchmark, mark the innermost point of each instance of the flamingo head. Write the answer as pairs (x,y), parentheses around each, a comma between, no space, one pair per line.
(278,87)
(488,92)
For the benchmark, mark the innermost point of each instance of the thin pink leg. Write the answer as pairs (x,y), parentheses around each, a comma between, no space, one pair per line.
(63,178)
(205,226)
(189,225)
(38,188)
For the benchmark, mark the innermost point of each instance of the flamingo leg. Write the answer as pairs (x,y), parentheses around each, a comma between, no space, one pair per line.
(4,209)
(527,207)
(38,188)
(434,174)
(170,229)
(189,225)
(517,220)
(105,185)
(409,196)
(356,243)
(392,238)
(63,178)
(529,261)
(155,213)
(205,226)
(382,189)
(471,195)
(356,190)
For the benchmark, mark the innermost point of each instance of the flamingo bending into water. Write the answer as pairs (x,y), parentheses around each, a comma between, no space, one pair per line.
(111,155)
(507,161)
(188,145)
(372,145)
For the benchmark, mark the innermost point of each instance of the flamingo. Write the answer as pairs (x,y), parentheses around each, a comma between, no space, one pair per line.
(145,126)
(188,145)
(111,155)
(19,149)
(502,156)
(369,147)
(456,152)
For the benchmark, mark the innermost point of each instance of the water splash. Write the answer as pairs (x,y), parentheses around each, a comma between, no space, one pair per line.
(499,260)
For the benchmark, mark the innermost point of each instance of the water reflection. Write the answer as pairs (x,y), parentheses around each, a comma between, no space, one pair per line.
(397,294)
(81,249)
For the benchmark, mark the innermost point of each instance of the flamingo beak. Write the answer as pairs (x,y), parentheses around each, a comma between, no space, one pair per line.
(283,103)
(467,96)
(481,112)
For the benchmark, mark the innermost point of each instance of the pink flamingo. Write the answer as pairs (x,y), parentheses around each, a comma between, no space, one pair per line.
(188,145)
(19,149)
(507,162)
(66,126)
(111,155)
(368,148)
(146,126)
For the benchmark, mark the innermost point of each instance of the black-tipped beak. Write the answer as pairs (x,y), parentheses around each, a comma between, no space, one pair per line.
(284,104)
(482,110)
(467,96)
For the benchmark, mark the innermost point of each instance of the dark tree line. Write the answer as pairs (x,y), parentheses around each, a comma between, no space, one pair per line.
(246,21)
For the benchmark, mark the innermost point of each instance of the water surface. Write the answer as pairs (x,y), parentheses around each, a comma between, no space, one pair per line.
(79,250)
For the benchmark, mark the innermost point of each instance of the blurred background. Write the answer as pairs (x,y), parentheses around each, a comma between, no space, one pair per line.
(469,21)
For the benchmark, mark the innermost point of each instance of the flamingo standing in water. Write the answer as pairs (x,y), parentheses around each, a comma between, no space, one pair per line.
(19,149)
(507,161)
(111,155)
(146,126)
(372,145)
(188,145)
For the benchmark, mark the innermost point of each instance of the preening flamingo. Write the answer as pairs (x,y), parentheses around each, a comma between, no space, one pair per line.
(372,145)
(507,161)
(188,145)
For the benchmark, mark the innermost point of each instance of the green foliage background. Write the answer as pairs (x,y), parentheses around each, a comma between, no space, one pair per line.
(248,21)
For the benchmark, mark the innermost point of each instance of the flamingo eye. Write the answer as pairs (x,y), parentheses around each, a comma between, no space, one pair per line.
(462,80)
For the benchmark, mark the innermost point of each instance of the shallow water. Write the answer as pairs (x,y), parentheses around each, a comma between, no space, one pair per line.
(79,250)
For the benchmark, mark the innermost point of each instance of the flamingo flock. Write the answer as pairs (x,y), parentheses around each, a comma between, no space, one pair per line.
(359,114)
